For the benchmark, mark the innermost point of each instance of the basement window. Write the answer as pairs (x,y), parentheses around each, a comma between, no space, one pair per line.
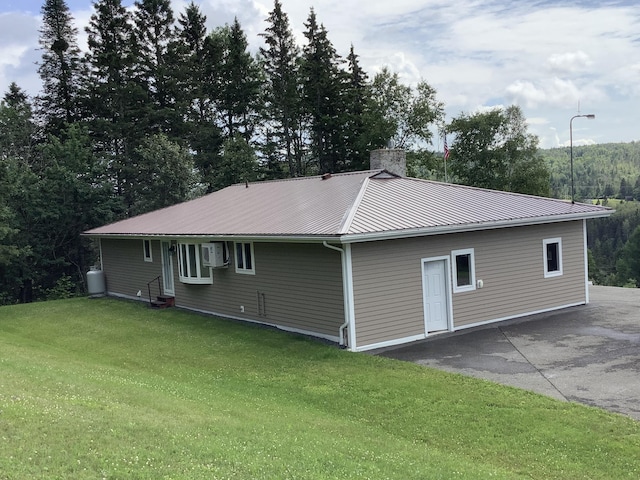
(464,270)
(244,258)
(146,249)
(552,253)
(190,265)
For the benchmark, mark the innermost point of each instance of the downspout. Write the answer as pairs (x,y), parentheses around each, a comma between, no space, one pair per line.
(345,291)
(586,261)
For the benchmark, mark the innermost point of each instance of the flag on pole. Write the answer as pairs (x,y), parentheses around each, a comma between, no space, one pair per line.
(446,148)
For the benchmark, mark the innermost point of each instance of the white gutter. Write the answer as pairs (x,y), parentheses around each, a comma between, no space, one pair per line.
(217,237)
(347,289)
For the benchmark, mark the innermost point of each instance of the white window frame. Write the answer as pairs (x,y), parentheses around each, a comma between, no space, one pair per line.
(185,264)
(147,258)
(243,269)
(553,273)
(472,270)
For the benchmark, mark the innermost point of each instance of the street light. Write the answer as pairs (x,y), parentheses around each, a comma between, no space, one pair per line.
(590,116)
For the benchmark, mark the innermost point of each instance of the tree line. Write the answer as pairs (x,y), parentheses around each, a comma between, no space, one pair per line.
(600,171)
(158,110)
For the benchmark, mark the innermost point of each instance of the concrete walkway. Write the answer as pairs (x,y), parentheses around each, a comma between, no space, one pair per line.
(588,354)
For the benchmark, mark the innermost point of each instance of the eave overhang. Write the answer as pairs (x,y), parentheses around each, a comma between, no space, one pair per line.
(445,229)
(364,237)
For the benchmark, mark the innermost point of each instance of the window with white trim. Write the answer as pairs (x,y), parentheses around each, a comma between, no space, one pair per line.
(552,253)
(245,258)
(147,252)
(464,270)
(190,267)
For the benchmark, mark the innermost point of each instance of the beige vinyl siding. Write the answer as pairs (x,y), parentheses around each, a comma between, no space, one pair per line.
(387,278)
(124,267)
(299,285)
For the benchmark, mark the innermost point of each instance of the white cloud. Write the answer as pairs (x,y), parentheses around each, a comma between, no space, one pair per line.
(569,62)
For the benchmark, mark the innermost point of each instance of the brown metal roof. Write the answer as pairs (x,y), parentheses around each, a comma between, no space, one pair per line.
(360,205)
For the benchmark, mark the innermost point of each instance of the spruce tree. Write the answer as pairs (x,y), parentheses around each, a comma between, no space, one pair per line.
(322,82)
(17,142)
(283,115)
(18,132)
(357,96)
(198,60)
(155,70)
(113,98)
(240,83)
(59,68)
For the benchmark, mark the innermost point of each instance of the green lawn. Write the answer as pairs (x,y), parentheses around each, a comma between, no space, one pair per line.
(111,389)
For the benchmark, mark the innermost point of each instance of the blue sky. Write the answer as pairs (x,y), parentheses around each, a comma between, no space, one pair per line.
(551,58)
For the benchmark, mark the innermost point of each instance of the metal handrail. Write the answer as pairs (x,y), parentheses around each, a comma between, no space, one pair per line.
(159,288)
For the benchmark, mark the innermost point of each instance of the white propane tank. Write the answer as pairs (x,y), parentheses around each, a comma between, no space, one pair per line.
(95,282)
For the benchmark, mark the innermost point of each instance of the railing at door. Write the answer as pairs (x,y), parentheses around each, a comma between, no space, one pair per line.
(157,279)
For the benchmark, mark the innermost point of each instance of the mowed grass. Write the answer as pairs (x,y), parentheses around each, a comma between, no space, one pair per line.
(111,389)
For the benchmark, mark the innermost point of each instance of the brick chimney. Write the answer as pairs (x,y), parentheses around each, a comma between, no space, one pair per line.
(393,160)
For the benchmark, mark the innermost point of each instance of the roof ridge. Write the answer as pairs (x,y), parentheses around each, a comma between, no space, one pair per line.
(310,177)
(350,214)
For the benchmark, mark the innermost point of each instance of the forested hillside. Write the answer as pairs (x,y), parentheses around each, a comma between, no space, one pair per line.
(609,170)
(157,110)
(610,175)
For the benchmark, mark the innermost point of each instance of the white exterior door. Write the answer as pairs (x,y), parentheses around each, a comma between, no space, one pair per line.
(167,270)
(436,298)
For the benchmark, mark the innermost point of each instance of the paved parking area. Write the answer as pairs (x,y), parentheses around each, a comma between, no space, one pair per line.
(588,354)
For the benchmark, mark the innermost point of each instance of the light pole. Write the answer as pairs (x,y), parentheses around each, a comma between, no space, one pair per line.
(590,116)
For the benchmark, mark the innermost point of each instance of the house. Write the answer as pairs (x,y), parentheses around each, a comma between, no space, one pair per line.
(365,259)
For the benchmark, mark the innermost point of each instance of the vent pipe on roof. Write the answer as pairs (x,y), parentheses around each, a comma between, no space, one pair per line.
(393,160)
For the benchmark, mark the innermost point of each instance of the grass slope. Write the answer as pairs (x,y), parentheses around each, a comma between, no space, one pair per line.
(110,389)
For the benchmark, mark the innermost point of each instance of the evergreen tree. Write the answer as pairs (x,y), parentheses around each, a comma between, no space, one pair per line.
(16,158)
(154,35)
(628,266)
(240,83)
(357,96)
(322,82)
(198,59)
(113,99)
(189,49)
(71,195)
(17,129)
(59,68)
(239,163)
(283,117)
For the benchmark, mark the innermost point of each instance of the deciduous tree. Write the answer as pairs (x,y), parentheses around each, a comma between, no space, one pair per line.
(400,114)
(494,150)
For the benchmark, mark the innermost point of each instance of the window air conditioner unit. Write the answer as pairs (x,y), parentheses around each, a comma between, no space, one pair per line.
(213,255)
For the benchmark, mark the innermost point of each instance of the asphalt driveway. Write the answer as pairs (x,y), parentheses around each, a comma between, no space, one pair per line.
(588,354)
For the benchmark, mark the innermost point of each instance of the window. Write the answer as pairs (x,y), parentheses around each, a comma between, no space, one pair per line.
(464,270)
(146,248)
(244,258)
(190,265)
(552,253)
